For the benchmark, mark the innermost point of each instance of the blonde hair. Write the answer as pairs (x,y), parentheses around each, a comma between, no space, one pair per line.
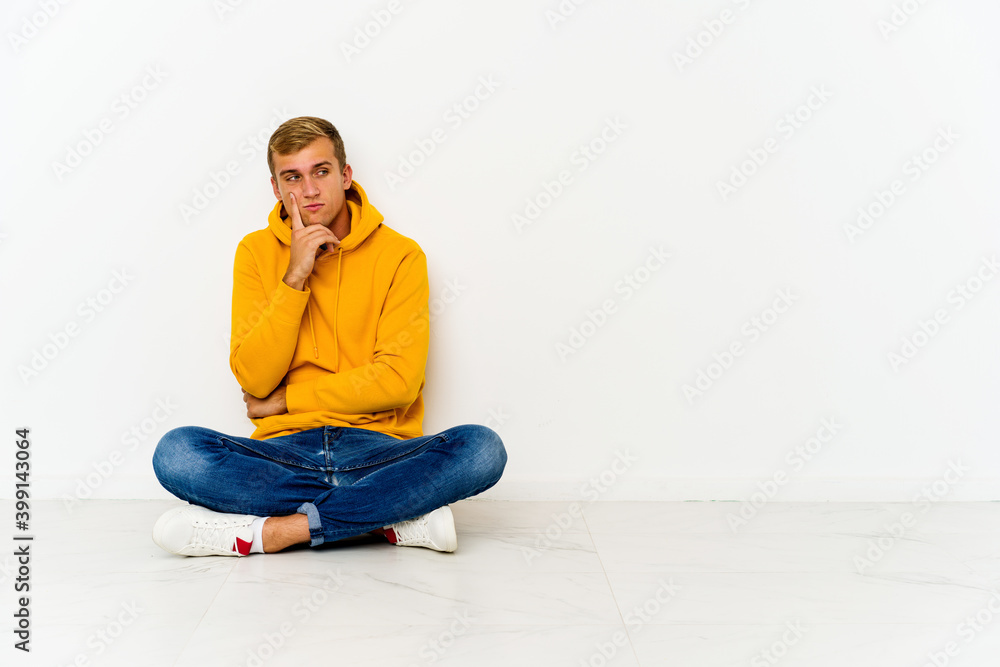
(296,133)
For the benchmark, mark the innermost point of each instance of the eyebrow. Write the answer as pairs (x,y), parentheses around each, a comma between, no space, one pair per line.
(295,171)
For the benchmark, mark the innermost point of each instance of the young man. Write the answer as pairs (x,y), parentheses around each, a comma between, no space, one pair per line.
(330,331)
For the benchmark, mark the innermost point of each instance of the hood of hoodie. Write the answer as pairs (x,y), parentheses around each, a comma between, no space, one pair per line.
(365,219)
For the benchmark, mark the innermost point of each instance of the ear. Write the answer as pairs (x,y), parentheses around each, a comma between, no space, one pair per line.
(348,177)
(277,193)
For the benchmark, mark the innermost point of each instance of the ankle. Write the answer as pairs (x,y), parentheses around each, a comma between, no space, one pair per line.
(281,532)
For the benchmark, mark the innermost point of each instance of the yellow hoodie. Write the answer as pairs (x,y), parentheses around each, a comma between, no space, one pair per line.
(352,345)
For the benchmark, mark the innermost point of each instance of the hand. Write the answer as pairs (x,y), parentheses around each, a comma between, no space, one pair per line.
(306,242)
(274,404)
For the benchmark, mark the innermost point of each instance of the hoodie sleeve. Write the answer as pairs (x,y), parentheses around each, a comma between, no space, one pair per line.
(395,376)
(265,327)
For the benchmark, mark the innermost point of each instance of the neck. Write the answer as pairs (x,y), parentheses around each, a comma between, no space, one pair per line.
(341,225)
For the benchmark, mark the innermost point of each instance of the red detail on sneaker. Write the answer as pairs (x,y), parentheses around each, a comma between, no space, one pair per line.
(390,534)
(242,546)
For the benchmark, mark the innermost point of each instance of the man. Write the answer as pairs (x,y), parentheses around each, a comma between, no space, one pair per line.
(330,332)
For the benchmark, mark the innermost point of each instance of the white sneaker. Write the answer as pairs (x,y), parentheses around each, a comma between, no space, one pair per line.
(434,531)
(195,531)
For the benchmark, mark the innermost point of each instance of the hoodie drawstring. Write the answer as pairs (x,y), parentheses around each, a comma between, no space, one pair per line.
(312,333)
(336,309)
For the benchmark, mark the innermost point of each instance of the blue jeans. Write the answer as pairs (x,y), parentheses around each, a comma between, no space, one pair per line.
(347,481)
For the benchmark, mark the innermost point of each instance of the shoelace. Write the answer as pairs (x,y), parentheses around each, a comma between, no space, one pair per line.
(414,529)
(210,534)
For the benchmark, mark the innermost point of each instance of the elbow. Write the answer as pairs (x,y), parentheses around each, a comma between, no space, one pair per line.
(406,390)
(397,389)
(252,386)
(409,395)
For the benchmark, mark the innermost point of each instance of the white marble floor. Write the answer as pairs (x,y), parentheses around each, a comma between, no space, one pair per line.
(532,583)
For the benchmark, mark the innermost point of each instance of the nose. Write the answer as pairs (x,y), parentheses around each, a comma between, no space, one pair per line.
(309,187)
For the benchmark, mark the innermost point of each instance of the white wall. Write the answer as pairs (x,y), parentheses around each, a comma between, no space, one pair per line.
(878,100)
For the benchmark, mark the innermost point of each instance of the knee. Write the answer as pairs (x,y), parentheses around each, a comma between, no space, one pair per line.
(176,454)
(485,449)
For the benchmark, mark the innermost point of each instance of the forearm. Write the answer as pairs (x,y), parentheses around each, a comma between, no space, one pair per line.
(294,281)
(259,408)
(374,387)
(265,333)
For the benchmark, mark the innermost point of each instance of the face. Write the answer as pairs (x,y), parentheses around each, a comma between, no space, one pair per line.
(315,177)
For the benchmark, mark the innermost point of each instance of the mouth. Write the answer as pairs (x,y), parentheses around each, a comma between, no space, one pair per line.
(313,207)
